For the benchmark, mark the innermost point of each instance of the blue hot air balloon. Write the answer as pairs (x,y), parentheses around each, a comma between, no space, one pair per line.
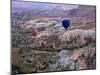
(66,23)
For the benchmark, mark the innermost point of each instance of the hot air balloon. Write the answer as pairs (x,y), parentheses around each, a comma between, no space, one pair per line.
(66,23)
(34,32)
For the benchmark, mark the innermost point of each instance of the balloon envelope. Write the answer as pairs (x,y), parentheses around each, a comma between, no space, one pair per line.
(66,23)
(34,33)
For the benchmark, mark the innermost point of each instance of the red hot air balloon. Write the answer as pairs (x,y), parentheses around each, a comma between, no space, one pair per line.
(34,32)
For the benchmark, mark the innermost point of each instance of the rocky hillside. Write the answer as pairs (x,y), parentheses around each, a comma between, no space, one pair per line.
(69,50)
